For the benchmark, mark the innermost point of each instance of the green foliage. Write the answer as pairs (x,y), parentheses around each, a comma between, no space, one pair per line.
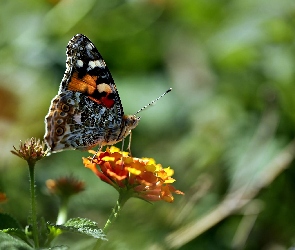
(47,232)
(7,221)
(79,225)
(11,243)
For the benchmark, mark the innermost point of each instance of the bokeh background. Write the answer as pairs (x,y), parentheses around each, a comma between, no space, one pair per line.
(227,128)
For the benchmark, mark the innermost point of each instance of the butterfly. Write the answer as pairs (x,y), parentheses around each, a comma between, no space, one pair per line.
(87,111)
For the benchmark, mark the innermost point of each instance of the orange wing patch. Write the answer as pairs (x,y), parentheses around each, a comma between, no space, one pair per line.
(85,85)
(99,93)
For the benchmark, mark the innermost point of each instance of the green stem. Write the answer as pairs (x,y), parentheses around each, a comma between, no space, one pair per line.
(123,197)
(33,204)
(116,211)
(63,211)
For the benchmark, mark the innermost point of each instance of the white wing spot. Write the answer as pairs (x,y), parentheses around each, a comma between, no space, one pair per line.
(79,63)
(91,65)
(89,46)
(94,64)
(99,63)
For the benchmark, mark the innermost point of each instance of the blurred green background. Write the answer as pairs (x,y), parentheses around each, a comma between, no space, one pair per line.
(227,128)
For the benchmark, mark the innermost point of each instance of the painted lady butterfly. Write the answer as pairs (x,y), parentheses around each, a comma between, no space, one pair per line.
(87,110)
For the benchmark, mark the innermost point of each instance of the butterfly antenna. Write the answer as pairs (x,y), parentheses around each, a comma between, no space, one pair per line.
(154,101)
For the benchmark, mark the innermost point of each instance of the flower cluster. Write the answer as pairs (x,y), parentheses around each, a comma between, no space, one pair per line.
(31,150)
(141,177)
(3,197)
(65,186)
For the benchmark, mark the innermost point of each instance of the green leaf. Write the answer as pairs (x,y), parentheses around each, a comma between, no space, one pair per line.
(59,248)
(11,227)
(82,226)
(47,233)
(11,243)
(7,221)
(16,232)
(54,231)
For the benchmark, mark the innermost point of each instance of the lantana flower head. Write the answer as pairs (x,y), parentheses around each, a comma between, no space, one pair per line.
(65,186)
(141,177)
(32,150)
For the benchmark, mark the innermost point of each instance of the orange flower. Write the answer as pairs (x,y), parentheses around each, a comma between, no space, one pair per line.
(141,177)
(65,186)
(3,197)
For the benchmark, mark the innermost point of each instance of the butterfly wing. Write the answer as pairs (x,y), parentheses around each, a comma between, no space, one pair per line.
(87,73)
(87,110)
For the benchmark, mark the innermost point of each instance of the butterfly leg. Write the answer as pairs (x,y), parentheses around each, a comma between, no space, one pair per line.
(99,149)
(129,143)
(122,147)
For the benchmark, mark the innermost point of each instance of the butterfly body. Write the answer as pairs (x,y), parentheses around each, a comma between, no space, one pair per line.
(87,110)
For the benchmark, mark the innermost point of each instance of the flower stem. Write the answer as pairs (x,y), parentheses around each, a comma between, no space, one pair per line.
(33,203)
(63,211)
(123,197)
(116,211)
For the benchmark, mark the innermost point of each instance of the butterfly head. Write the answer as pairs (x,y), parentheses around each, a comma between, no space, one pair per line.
(130,122)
